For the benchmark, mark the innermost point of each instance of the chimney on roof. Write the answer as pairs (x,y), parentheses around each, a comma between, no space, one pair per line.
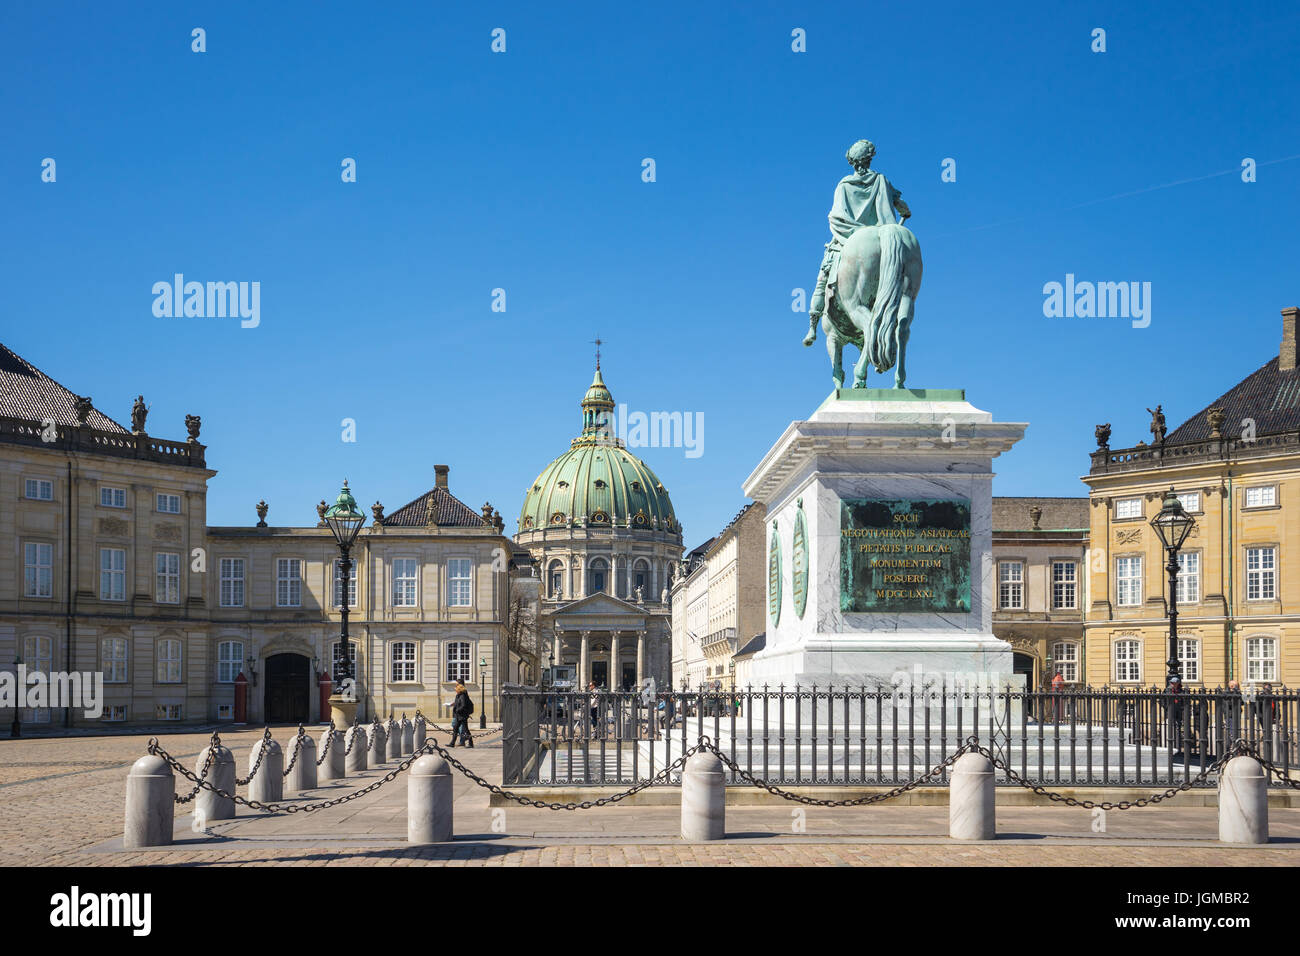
(441,472)
(1290,351)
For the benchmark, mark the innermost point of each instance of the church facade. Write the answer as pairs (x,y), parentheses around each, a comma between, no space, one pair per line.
(601,531)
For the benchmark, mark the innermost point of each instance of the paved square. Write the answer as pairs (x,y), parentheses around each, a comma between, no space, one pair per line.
(62,803)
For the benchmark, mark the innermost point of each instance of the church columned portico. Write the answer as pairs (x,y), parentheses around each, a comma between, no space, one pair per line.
(615,644)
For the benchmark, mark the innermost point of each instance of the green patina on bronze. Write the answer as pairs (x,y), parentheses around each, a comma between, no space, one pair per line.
(799,563)
(774,577)
(905,555)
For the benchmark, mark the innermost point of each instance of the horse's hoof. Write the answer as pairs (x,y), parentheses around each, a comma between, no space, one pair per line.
(809,339)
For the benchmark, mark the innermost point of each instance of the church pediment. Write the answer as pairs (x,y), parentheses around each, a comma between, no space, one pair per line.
(601,605)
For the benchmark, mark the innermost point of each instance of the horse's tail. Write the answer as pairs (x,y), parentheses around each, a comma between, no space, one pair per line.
(891,284)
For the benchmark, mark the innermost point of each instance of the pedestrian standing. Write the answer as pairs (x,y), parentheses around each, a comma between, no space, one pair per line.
(461,709)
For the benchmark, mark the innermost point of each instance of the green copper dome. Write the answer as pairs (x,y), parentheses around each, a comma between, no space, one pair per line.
(598,482)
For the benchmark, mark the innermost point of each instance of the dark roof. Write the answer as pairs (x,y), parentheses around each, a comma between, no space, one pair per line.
(756,644)
(1268,395)
(28,393)
(1059,514)
(699,550)
(451,512)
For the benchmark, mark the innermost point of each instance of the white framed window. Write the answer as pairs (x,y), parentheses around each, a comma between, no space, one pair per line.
(1128,508)
(169,661)
(402,656)
(38,489)
(1128,581)
(406,574)
(1065,585)
(38,655)
(112,653)
(337,590)
(458,661)
(288,582)
(1189,658)
(1261,574)
(1188,587)
(112,497)
(38,570)
(1128,661)
(232,582)
(114,713)
(1011,585)
(1261,659)
(168,570)
(230,661)
(1190,500)
(225,711)
(112,574)
(168,712)
(1065,658)
(169,504)
(1264,496)
(458,582)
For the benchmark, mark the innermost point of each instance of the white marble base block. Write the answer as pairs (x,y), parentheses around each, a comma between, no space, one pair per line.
(881,444)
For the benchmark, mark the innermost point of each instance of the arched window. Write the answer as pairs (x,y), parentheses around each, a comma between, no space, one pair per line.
(458,660)
(598,576)
(641,578)
(555,580)
(402,656)
(113,655)
(1128,661)
(1065,658)
(169,661)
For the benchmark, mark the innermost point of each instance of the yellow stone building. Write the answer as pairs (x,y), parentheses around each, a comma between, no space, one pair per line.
(108,565)
(1235,465)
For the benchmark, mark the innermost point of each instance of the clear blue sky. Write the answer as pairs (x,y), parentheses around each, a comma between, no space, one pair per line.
(522,171)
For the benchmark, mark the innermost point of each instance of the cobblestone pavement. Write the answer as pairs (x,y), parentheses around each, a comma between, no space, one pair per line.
(61,803)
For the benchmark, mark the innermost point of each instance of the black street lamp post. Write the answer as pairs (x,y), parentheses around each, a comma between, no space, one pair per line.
(1173,525)
(345,522)
(482,694)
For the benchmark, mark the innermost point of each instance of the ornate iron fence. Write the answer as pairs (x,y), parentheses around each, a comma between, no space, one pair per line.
(843,736)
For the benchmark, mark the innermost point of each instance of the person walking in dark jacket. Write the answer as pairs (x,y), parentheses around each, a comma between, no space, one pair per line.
(460,712)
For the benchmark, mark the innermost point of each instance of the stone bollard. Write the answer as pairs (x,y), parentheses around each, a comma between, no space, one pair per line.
(408,737)
(302,775)
(971,798)
(1243,802)
(355,747)
(150,803)
(331,768)
(267,785)
(378,744)
(421,734)
(394,735)
(704,799)
(428,801)
(221,774)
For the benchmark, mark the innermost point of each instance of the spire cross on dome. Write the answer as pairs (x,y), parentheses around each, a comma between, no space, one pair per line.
(598,343)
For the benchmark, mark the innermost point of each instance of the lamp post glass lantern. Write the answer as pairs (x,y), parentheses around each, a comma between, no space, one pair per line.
(482,694)
(1173,525)
(344,521)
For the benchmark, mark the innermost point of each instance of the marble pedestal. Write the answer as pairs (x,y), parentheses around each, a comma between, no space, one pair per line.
(880,444)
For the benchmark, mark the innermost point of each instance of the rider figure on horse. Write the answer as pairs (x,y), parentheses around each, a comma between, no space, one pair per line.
(863,198)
